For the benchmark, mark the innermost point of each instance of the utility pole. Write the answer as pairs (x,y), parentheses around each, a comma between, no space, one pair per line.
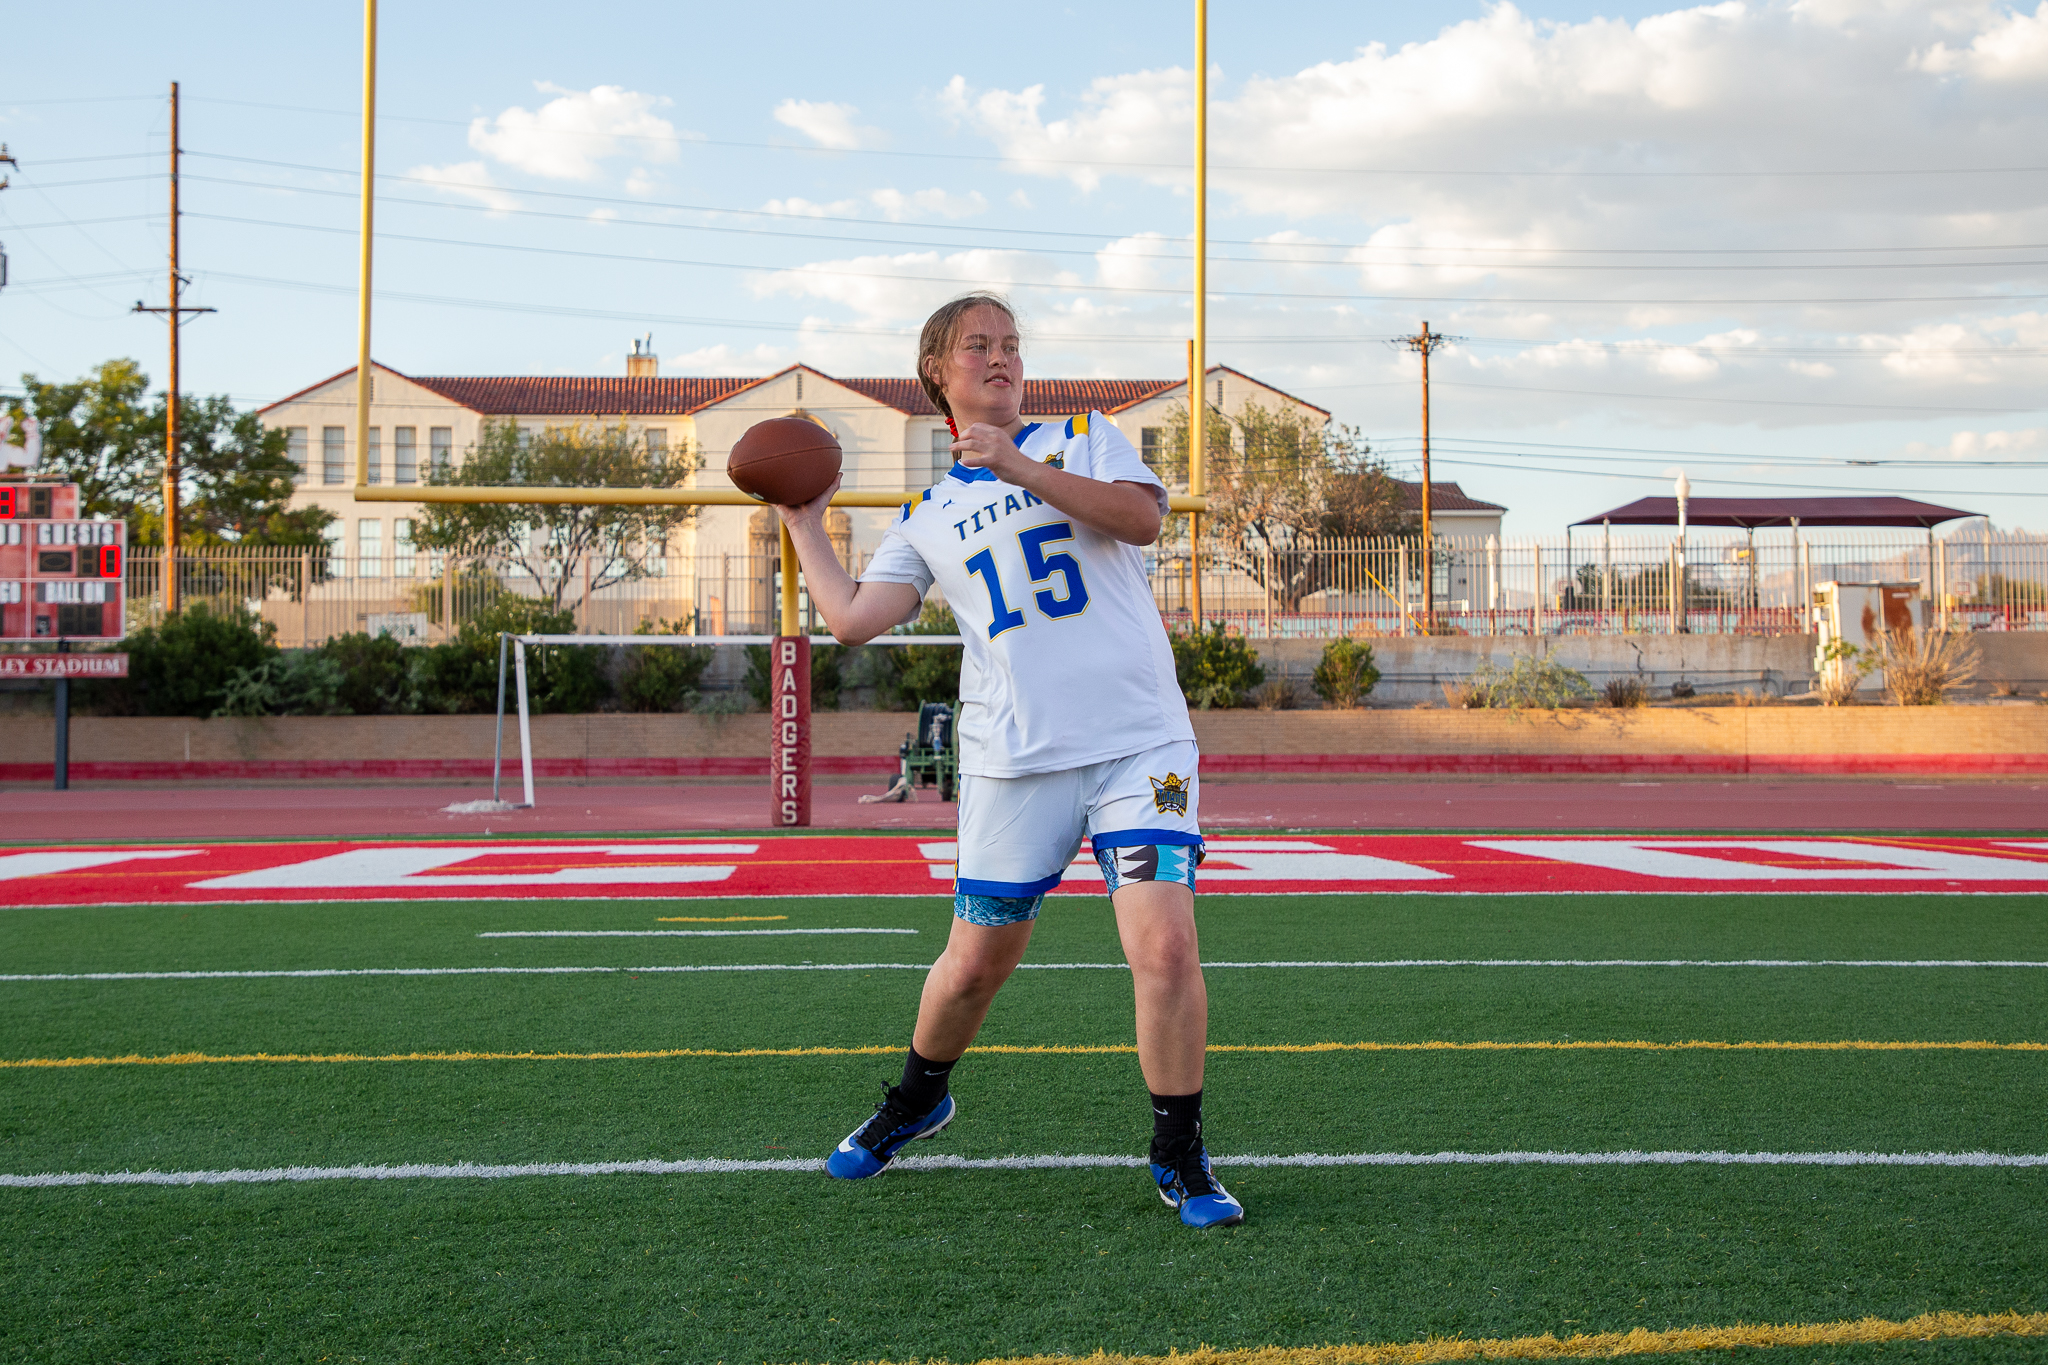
(1424,342)
(1198,349)
(5,160)
(176,313)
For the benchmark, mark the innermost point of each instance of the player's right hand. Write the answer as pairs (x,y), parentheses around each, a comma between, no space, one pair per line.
(814,510)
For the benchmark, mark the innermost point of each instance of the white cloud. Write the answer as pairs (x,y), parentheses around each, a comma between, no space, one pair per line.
(640,182)
(828,125)
(897,206)
(468,180)
(567,138)
(1983,445)
(2013,48)
(907,287)
(799,207)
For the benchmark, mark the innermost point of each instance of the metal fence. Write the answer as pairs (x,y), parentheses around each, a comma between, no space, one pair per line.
(1598,585)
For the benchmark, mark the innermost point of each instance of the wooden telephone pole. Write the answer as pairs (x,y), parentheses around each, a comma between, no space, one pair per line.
(1424,342)
(176,313)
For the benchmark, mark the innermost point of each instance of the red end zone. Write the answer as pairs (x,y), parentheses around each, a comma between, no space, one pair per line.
(903,865)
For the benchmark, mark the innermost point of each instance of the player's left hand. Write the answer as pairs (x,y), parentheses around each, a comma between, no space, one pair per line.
(982,446)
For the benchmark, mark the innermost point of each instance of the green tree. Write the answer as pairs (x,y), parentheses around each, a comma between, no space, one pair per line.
(461,676)
(551,540)
(106,434)
(1279,480)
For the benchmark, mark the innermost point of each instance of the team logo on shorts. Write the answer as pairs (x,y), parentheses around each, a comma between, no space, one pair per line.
(1171,796)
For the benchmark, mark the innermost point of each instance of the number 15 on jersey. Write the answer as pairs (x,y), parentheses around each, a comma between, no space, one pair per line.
(1070,600)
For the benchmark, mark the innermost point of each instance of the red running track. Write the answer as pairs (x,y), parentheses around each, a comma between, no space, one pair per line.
(188,812)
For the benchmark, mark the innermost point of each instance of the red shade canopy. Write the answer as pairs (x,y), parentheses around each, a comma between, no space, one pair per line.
(1750,513)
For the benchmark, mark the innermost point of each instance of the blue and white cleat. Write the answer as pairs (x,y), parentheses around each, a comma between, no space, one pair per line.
(870,1148)
(1187,1183)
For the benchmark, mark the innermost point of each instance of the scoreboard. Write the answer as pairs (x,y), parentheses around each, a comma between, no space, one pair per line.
(60,577)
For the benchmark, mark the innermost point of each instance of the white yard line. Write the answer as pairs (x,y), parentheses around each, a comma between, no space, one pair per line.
(475,1171)
(677,933)
(1027,966)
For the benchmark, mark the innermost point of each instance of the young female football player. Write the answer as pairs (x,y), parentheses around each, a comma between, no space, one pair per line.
(1071,723)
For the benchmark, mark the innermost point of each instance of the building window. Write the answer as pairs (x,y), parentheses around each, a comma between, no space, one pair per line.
(295,446)
(942,453)
(369,548)
(333,453)
(376,474)
(333,533)
(657,446)
(440,440)
(1152,445)
(402,563)
(405,455)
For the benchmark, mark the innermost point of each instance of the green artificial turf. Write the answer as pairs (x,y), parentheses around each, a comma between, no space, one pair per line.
(967,1265)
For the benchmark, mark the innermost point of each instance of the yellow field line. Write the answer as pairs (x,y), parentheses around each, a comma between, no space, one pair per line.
(1584,1346)
(717,919)
(1024,1050)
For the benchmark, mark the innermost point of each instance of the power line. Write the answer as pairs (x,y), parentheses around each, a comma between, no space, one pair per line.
(681,141)
(1759,402)
(813,269)
(1024,232)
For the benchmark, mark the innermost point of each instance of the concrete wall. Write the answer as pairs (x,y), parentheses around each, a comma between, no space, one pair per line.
(1414,668)
(2009,740)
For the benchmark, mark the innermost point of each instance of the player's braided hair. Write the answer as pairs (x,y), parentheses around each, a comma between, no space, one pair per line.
(937,341)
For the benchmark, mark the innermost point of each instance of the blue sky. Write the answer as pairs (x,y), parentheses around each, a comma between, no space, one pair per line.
(1752,241)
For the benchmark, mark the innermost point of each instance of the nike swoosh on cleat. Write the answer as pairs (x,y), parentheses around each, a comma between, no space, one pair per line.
(846,1145)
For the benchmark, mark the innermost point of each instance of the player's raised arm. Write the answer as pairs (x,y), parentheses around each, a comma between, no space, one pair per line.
(854,612)
(1128,512)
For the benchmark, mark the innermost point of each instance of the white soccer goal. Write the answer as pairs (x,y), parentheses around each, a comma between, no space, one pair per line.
(515,646)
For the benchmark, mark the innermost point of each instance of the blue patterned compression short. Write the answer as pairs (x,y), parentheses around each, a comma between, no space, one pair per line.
(1148,863)
(996,911)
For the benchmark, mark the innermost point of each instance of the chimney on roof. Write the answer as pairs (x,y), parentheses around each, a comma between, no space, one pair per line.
(643,363)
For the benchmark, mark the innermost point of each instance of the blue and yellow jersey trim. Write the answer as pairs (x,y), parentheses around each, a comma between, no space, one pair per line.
(1077,426)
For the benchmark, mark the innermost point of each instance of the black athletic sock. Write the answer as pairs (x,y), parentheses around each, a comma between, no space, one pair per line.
(924,1082)
(1176,1121)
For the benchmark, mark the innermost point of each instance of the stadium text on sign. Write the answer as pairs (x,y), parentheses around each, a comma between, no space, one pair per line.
(63,665)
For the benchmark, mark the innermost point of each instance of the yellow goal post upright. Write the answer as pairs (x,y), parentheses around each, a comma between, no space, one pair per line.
(790,673)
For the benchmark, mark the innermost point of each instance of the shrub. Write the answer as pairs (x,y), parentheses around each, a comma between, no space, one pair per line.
(1626,694)
(1530,682)
(1215,668)
(306,682)
(1843,669)
(662,677)
(183,666)
(1346,674)
(1920,669)
(923,673)
(1278,694)
(461,676)
(826,661)
(377,676)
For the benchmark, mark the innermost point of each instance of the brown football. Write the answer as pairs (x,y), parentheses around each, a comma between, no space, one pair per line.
(785,460)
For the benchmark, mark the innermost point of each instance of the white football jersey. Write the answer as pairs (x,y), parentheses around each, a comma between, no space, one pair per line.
(1067,662)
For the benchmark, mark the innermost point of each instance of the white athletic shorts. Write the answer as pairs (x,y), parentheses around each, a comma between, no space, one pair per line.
(1019,834)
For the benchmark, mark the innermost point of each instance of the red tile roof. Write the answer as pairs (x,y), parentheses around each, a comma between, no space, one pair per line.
(548,396)
(1444,496)
(565,396)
